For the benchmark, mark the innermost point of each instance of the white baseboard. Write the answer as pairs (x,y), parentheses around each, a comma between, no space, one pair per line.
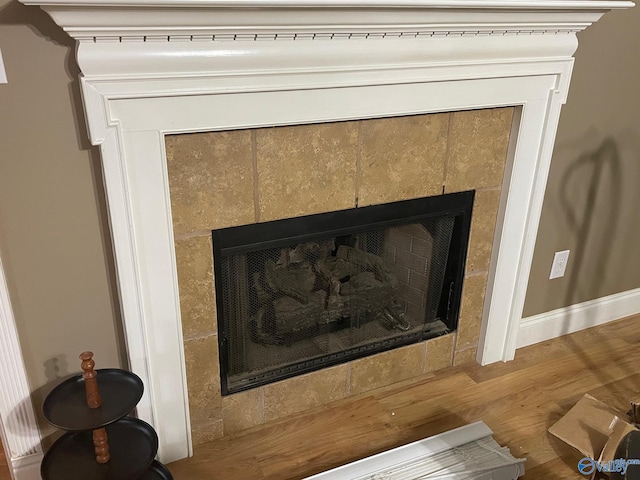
(27,468)
(562,321)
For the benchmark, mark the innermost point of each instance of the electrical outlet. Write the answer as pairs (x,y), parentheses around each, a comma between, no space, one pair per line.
(559,264)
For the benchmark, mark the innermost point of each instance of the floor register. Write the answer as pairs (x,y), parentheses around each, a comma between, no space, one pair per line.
(465,453)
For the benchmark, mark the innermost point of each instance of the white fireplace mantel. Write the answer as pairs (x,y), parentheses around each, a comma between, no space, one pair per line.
(154,67)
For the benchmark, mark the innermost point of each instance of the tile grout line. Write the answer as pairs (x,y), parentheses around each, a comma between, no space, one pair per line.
(445,167)
(358,166)
(424,358)
(475,273)
(348,384)
(200,336)
(256,189)
(263,415)
(187,236)
(489,189)
(454,344)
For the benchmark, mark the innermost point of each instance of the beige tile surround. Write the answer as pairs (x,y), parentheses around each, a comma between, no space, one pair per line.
(222,179)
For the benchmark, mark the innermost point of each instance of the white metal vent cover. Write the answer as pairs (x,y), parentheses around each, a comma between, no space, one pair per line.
(465,453)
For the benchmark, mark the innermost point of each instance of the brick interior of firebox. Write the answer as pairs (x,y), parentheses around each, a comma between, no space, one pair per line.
(229,178)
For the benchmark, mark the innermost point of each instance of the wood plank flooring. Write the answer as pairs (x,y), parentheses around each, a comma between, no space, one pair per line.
(519,401)
(4,468)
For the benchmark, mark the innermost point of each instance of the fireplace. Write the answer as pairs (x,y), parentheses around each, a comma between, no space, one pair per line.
(301,294)
(162,70)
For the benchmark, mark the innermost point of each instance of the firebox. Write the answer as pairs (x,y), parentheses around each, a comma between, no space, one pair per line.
(301,294)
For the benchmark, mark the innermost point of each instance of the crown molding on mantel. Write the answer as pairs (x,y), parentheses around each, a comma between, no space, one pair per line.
(187,38)
(135,20)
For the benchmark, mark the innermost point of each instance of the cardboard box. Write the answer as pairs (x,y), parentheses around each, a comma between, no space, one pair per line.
(593,428)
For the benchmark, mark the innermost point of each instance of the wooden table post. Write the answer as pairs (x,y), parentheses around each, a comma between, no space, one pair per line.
(100,440)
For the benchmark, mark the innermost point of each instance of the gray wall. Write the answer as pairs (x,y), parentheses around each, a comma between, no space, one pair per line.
(592,200)
(54,238)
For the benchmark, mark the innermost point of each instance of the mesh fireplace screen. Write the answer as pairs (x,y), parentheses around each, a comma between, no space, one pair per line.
(293,302)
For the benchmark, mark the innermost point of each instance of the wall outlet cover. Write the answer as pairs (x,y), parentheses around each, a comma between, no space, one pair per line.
(3,74)
(559,264)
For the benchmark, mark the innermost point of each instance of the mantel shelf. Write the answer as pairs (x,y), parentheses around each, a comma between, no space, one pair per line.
(90,19)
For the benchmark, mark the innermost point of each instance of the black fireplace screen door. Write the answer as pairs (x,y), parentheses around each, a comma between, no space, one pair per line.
(300,294)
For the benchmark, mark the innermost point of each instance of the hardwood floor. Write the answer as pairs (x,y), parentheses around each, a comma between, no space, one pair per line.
(519,401)
(4,468)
